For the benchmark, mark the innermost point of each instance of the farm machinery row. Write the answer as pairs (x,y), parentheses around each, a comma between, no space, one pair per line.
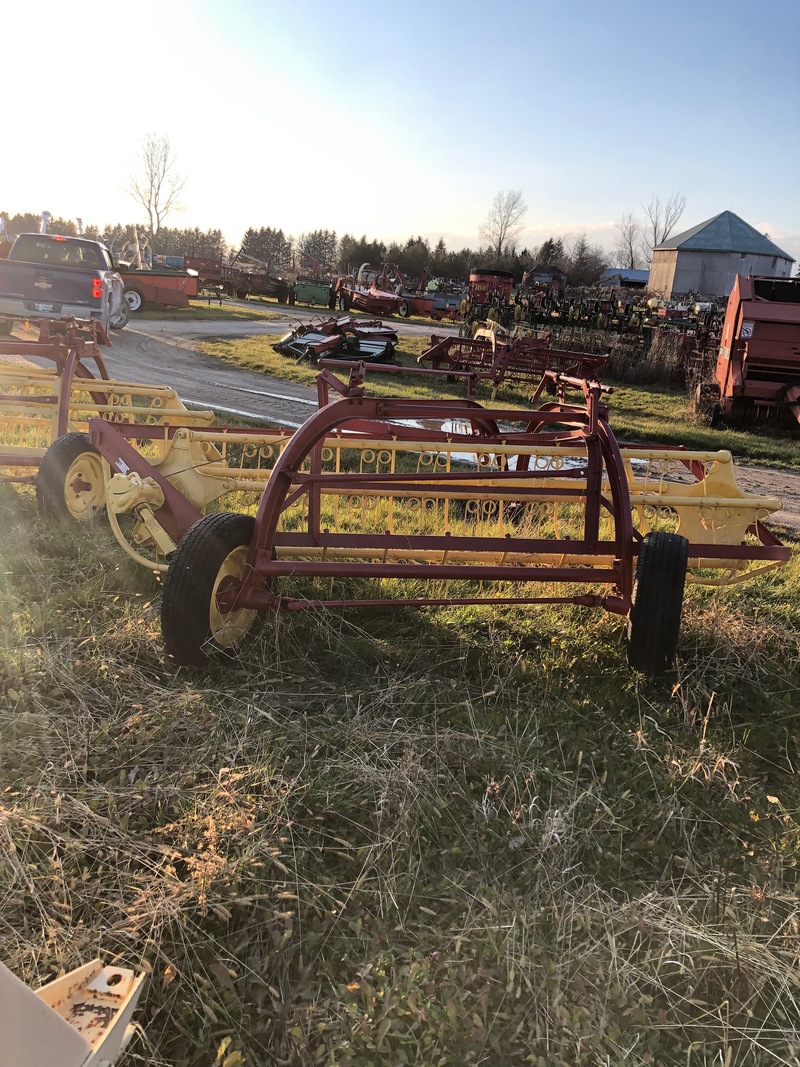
(377,501)
(491,356)
(493,296)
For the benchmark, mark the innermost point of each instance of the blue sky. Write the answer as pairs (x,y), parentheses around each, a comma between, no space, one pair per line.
(408,118)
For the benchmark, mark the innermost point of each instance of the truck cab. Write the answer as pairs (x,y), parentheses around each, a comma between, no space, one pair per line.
(50,276)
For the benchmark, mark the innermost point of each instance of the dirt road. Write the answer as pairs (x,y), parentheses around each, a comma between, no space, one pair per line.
(164,352)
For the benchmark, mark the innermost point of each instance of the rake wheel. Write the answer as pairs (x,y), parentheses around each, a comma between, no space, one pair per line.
(655,618)
(213,551)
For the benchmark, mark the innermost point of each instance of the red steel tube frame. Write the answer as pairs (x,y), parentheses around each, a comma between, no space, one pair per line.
(602,451)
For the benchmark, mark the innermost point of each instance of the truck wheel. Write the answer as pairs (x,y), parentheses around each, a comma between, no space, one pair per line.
(134,298)
(123,316)
(213,551)
(655,618)
(70,483)
(402,311)
(344,302)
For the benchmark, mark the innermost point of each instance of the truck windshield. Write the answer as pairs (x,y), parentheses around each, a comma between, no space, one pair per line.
(39,248)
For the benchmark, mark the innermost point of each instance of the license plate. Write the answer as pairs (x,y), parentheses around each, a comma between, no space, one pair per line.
(44,307)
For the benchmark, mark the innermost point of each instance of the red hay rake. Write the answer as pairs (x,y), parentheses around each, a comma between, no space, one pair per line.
(376,502)
(520,362)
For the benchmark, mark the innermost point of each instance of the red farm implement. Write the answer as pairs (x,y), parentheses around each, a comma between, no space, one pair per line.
(457,502)
(362,291)
(488,286)
(757,374)
(521,362)
(169,288)
(53,385)
(344,336)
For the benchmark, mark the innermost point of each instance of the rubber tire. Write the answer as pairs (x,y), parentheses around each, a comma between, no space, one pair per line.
(189,584)
(402,310)
(52,475)
(123,318)
(344,302)
(135,299)
(654,622)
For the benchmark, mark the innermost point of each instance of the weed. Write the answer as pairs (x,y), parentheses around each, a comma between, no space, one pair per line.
(451,835)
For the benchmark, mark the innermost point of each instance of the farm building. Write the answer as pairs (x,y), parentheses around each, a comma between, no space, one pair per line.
(705,260)
(623,278)
(542,275)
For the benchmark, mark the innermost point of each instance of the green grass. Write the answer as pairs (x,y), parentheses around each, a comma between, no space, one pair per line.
(655,413)
(200,311)
(453,836)
(638,412)
(256,353)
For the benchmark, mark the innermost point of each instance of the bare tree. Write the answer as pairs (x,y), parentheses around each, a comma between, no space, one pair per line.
(661,218)
(504,223)
(626,250)
(158,186)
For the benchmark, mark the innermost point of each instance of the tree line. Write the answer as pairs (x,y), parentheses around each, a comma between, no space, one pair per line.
(583,263)
(191,241)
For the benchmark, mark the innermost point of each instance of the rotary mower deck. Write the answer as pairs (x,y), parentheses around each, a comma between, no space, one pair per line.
(468,504)
(342,336)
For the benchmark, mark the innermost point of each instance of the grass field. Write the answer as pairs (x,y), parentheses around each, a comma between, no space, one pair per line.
(259,307)
(202,311)
(638,412)
(454,836)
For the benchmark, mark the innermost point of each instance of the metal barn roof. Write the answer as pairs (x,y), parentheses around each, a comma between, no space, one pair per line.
(625,275)
(725,232)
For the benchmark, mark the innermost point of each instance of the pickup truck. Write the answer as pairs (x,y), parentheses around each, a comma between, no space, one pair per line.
(48,276)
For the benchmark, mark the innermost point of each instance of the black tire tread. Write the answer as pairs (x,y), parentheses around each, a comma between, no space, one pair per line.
(126,318)
(657,601)
(53,468)
(193,569)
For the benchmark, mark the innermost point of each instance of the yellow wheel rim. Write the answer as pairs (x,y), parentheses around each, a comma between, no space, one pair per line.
(84,486)
(228,628)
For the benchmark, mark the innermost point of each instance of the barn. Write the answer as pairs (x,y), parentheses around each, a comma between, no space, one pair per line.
(705,260)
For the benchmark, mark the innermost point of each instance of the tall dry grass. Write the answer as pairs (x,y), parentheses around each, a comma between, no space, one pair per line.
(660,358)
(456,836)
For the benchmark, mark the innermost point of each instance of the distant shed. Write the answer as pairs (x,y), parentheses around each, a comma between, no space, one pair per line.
(623,278)
(545,275)
(706,259)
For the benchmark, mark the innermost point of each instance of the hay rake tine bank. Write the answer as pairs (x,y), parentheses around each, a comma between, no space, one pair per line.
(541,506)
(53,385)
(587,558)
